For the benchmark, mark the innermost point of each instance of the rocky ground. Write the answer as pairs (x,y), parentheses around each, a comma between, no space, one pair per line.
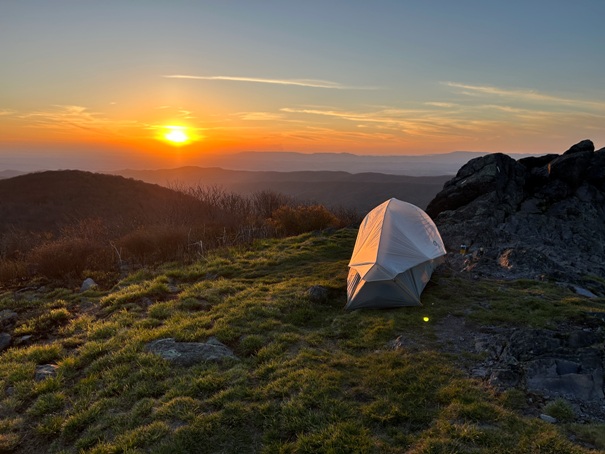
(536,218)
(566,362)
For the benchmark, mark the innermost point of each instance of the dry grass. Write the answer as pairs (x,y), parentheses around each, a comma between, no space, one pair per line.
(68,225)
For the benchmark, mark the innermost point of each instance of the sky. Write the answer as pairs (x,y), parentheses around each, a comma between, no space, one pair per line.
(99,84)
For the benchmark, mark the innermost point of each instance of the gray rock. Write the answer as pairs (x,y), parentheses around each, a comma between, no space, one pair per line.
(318,294)
(504,378)
(570,168)
(555,363)
(580,339)
(480,372)
(8,318)
(190,353)
(583,292)
(548,418)
(45,371)
(88,284)
(23,340)
(5,341)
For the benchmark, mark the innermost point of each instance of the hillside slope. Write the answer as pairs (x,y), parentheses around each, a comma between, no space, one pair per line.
(306,376)
(47,201)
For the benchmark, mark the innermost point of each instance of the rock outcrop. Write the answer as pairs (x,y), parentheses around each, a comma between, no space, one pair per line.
(535,217)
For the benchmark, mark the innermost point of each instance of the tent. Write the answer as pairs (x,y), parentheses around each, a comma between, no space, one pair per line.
(397,248)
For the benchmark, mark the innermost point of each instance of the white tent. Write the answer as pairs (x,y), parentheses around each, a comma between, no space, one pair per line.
(397,248)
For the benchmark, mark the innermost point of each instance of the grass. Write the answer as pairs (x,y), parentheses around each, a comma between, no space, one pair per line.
(311,378)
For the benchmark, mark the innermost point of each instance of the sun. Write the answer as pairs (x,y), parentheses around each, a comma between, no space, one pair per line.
(176,135)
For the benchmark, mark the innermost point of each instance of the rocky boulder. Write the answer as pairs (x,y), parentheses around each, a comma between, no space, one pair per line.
(535,217)
(190,353)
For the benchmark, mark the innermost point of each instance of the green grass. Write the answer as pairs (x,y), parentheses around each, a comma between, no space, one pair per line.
(311,377)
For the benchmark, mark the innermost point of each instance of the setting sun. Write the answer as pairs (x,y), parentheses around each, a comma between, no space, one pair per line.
(176,135)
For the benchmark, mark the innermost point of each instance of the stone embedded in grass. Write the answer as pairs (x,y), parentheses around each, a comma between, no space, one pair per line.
(583,292)
(548,418)
(190,353)
(45,371)
(5,341)
(88,284)
(24,340)
(317,293)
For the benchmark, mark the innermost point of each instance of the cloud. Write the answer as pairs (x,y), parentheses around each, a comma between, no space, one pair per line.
(391,115)
(64,118)
(440,104)
(6,112)
(312,83)
(406,122)
(61,115)
(259,116)
(524,95)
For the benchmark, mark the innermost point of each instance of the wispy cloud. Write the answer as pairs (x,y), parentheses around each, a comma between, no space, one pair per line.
(312,83)
(64,118)
(61,116)
(6,112)
(259,116)
(440,104)
(523,95)
(406,122)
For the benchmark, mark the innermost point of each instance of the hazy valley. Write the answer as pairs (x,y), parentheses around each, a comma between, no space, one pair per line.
(361,191)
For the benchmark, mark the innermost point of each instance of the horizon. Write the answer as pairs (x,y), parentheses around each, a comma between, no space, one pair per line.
(111,85)
(427,165)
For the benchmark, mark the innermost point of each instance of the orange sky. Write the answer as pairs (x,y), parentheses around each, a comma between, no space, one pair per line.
(98,82)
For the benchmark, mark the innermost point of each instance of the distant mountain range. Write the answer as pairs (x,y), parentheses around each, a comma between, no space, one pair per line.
(420,165)
(333,179)
(361,191)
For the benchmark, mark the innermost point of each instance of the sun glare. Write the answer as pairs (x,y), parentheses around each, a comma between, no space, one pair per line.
(176,135)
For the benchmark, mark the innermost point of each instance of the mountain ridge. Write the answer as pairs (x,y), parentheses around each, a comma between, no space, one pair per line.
(282,161)
(359,191)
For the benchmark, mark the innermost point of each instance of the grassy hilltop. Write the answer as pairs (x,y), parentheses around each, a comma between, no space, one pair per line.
(310,377)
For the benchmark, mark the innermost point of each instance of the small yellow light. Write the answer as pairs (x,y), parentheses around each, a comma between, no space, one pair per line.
(426,319)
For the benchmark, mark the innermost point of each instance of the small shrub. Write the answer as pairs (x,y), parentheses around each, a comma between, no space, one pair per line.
(301,219)
(70,257)
(560,409)
(154,244)
(12,270)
